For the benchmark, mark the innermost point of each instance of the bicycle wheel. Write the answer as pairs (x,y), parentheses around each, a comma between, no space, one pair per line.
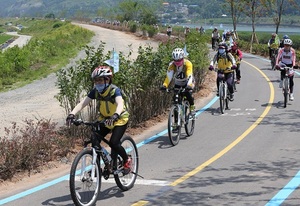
(189,119)
(227,97)
(222,97)
(126,182)
(174,129)
(285,91)
(83,187)
(273,62)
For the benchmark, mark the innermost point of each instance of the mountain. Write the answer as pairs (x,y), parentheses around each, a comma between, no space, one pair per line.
(61,8)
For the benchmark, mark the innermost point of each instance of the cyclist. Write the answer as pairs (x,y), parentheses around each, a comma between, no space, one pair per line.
(287,56)
(215,36)
(226,65)
(112,108)
(186,31)
(169,31)
(181,70)
(227,38)
(282,40)
(238,55)
(273,45)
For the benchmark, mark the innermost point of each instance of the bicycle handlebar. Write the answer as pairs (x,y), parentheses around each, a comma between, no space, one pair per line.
(78,122)
(176,89)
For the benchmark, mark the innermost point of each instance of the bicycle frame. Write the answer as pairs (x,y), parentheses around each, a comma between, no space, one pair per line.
(178,102)
(286,84)
(223,93)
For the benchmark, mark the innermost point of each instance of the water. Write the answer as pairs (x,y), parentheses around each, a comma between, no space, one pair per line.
(258,28)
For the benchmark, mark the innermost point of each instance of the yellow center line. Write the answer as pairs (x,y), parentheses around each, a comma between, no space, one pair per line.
(231,145)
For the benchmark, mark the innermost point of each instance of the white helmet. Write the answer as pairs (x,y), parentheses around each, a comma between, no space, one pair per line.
(102,71)
(288,42)
(177,54)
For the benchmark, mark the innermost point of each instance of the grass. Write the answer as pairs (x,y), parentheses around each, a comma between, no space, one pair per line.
(4,38)
(53,43)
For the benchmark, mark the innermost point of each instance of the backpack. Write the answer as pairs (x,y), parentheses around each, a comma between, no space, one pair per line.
(111,96)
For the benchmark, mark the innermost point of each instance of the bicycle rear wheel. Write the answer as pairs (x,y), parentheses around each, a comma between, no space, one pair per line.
(84,188)
(174,129)
(285,91)
(126,182)
(222,97)
(189,120)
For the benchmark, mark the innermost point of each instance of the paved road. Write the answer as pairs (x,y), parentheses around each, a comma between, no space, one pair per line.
(20,41)
(247,156)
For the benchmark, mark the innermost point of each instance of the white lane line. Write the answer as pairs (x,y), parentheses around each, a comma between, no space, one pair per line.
(142,182)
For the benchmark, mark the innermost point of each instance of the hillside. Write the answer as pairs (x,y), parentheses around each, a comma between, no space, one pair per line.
(60,8)
(170,11)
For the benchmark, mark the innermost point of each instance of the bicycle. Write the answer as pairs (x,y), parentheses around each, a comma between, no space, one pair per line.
(86,170)
(180,114)
(273,58)
(215,44)
(286,83)
(224,94)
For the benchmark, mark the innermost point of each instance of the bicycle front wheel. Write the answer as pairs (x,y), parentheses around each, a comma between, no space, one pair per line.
(285,91)
(85,179)
(174,129)
(222,97)
(126,182)
(189,120)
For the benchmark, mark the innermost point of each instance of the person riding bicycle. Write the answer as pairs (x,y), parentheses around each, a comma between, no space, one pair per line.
(273,45)
(215,37)
(169,31)
(287,56)
(238,55)
(228,39)
(226,65)
(282,40)
(181,69)
(112,108)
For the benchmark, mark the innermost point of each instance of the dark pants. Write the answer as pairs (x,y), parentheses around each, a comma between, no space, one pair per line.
(229,79)
(271,51)
(188,94)
(238,72)
(114,142)
(213,41)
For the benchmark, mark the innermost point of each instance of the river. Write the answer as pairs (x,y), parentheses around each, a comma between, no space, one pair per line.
(259,28)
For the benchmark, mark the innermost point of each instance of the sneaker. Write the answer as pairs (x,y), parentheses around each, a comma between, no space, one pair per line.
(192,109)
(231,97)
(175,130)
(127,166)
(280,84)
(292,97)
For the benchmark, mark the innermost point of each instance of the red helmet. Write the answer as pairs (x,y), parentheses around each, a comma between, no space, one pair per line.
(102,71)
(234,46)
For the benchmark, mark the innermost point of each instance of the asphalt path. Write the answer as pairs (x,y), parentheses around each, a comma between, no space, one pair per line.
(247,156)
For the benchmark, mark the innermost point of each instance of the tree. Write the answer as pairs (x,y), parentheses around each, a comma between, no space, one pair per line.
(254,9)
(276,8)
(129,10)
(235,10)
(50,16)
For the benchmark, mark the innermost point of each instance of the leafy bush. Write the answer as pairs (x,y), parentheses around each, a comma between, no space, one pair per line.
(140,78)
(31,147)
